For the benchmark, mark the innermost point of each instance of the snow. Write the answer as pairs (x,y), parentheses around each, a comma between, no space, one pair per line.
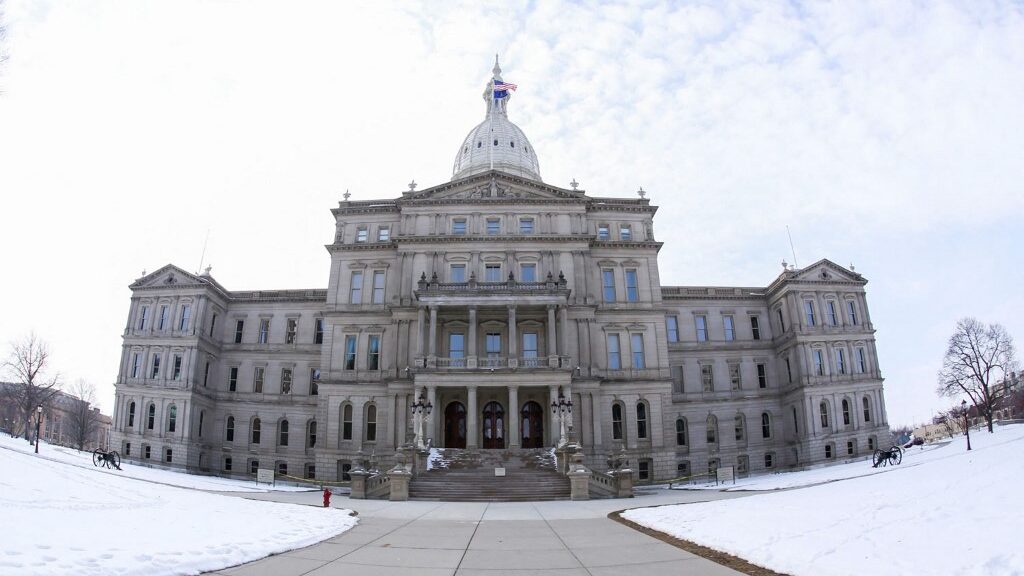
(943,511)
(436,459)
(61,518)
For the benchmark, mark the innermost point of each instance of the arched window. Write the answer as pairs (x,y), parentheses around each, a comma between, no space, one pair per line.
(823,408)
(282,433)
(681,439)
(172,418)
(846,412)
(346,422)
(741,428)
(371,423)
(867,408)
(256,431)
(131,415)
(151,416)
(712,425)
(311,434)
(617,421)
(641,420)
(766,425)
(229,429)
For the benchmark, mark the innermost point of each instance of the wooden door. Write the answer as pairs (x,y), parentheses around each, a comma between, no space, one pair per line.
(455,425)
(532,427)
(494,426)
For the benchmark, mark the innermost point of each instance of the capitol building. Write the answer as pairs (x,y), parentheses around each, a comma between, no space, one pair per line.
(493,297)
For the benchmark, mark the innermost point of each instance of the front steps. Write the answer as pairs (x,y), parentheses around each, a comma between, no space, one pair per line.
(468,476)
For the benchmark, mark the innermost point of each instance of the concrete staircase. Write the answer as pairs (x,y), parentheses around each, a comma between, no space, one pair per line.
(468,476)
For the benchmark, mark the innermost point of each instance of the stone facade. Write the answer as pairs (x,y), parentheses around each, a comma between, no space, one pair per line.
(492,295)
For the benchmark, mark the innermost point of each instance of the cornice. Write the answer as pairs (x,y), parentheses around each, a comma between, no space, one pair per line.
(518,238)
(626,244)
(361,246)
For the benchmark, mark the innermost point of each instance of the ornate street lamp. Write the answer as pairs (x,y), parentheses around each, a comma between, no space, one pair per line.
(967,423)
(420,410)
(39,421)
(561,408)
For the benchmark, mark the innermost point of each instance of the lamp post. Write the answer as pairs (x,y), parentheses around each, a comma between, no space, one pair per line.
(39,421)
(420,409)
(967,423)
(561,408)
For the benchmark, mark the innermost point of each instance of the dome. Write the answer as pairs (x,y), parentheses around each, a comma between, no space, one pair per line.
(496,143)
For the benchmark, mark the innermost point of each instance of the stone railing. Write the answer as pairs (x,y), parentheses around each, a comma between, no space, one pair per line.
(511,286)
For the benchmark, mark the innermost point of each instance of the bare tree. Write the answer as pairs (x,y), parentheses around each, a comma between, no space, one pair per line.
(978,356)
(948,421)
(29,366)
(83,420)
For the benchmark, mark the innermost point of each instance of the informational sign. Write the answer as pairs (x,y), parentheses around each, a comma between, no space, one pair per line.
(725,474)
(265,475)
(499,471)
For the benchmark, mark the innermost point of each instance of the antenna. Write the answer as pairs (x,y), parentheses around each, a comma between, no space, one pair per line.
(791,249)
(203,256)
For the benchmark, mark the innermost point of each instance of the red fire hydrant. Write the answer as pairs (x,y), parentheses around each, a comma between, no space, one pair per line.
(327,497)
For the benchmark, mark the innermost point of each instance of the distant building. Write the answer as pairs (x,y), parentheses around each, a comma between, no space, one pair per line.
(58,424)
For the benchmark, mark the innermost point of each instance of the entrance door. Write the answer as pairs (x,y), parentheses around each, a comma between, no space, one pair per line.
(494,425)
(532,425)
(455,425)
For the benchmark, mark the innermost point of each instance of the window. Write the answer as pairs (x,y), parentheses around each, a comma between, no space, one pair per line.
(343,471)
(608,285)
(632,293)
(227,464)
(254,466)
(378,287)
(371,423)
(846,412)
(255,432)
(840,361)
(318,331)
(809,312)
(361,234)
(530,349)
(492,343)
(819,362)
(762,376)
(282,468)
(346,422)
(127,448)
(866,404)
(789,371)
(833,317)
(373,353)
(229,430)
(264,336)
(282,433)
(616,421)
(493,226)
(871,443)
(459,226)
(678,385)
(257,379)
(742,464)
(672,325)
(168,454)
(172,418)
(828,451)
(239,325)
(644,470)
(769,460)
(823,408)
(766,425)
(782,323)
(528,272)
(702,328)
(526,225)
(625,232)
(681,439)
(136,364)
(164,318)
(314,381)
(602,232)
(683,469)
(356,296)
(146,451)
(850,448)
(286,380)
(755,328)
(350,352)
(730,328)
(851,312)
(206,374)
(457,349)
(290,330)
(740,427)
(143,315)
(458,273)
(311,434)
(213,324)
(492,273)
(156,366)
(796,422)
(712,429)
(310,471)
(734,376)
(151,417)
(707,377)
(614,361)
(177,367)
(862,364)
(186,313)
(233,379)
(641,420)
(383,234)
(131,415)
(202,416)
(636,342)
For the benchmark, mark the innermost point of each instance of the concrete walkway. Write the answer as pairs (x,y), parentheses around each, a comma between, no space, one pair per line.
(492,539)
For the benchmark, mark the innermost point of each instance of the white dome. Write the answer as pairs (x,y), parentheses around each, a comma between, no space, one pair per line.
(496,143)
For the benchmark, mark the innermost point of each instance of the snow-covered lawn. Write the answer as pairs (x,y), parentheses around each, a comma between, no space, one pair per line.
(948,512)
(60,518)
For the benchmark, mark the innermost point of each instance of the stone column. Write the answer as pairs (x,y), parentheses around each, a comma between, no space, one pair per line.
(431,431)
(472,361)
(552,416)
(552,348)
(595,417)
(513,339)
(513,417)
(563,326)
(432,337)
(421,320)
(471,418)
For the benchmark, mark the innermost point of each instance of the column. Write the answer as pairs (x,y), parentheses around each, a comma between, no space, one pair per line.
(513,339)
(401,420)
(553,427)
(471,418)
(595,417)
(563,326)
(513,416)
(431,429)
(552,348)
(421,318)
(433,332)
(472,361)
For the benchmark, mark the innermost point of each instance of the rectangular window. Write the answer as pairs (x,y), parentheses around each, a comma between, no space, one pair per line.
(625,233)
(233,379)
(849,448)
(168,455)
(702,328)
(156,367)
(239,325)
(769,460)
(264,336)
(809,312)
(136,364)
(851,312)
(362,234)
(608,285)
(840,361)
(350,352)
(378,287)
(383,234)
(734,376)
(602,232)
(819,363)
(318,331)
(632,293)
(762,376)
(782,323)
(143,314)
(186,314)
(206,374)
(529,272)
(290,331)
(862,364)
(833,317)
(164,315)
(177,367)
(493,344)
(636,342)
(707,377)
(373,353)
(459,226)
(257,379)
(644,471)
(286,380)
(492,273)
(678,386)
(530,349)
(614,361)
(730,328)
(458,273)
(755,328)
(314,381)
(526,225)
(213,324)
(146,452)
(356,289)
(789,372)
(457,349)
(493,226)
(672,325)
(227,464)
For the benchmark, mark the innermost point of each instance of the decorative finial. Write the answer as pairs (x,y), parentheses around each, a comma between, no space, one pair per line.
(785,265)
(497,69)
(412,185)
(143,271)
(574,184)
(852,267)
(206,272)
(346,195)
(641,193)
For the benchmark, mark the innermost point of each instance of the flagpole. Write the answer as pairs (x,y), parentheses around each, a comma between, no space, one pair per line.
(494,105)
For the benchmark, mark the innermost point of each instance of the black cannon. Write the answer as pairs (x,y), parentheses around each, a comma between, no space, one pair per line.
(106,459)
(894,455)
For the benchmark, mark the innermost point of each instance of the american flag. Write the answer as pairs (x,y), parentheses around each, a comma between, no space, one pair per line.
(500,86)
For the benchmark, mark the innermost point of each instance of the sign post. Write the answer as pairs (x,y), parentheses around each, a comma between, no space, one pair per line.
(725,474)
(265,475)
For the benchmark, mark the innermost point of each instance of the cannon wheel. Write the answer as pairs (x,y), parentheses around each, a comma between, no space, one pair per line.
(114,459)
(97,457)
(878,458)
(896,456)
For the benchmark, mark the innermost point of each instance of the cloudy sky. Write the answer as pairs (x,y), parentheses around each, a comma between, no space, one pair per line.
(888,135)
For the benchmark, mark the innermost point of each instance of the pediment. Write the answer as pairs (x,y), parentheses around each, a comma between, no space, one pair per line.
(827,271)
(170,276)
(494,186)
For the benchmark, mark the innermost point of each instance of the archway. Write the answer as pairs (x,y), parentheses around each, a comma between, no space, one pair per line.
(494,426)
(532,428)
(455,425)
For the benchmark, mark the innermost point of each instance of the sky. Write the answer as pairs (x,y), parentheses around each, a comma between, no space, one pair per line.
(887,135)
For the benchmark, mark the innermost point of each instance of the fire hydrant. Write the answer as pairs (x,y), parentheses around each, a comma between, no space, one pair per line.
(327,497)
